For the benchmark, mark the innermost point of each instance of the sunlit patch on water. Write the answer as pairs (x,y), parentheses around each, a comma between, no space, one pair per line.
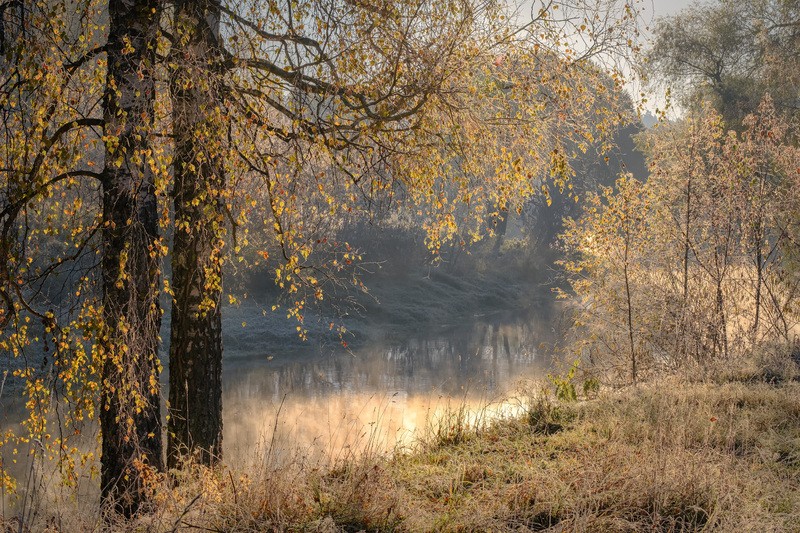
(330,430)
(381,397)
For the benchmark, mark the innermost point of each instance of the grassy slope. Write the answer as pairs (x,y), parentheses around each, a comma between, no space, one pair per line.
(660,458)
(669,456)
(674,455)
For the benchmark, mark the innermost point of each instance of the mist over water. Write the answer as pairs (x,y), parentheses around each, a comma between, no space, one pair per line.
(385,390)
(325,396)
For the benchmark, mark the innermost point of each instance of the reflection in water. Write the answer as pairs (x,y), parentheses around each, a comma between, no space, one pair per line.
(329,404)
(378,396)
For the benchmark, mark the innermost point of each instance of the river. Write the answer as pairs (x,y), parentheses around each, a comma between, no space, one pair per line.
(326,402)
(385,392)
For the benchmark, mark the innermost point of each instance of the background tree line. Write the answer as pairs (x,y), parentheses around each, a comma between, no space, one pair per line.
(697,263)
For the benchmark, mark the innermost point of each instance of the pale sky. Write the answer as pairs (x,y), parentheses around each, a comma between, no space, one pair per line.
(652,9)
(665,7)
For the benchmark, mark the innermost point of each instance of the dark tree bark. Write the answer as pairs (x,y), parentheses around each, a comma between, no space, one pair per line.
(687,246)
(130,417)
(501,226)
(629,305)
(195,355)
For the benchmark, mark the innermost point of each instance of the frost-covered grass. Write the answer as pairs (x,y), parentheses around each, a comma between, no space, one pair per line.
(678,454)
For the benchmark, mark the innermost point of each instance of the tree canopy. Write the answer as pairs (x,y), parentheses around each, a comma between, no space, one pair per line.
(731,52)
(252,129)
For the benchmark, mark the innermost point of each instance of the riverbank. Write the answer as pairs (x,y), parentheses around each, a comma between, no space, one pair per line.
(715,454)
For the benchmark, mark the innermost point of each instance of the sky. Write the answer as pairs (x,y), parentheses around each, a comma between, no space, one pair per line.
(651,11)
(660,8)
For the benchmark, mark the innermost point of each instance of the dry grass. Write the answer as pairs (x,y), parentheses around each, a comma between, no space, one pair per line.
(677,455)
(664,458)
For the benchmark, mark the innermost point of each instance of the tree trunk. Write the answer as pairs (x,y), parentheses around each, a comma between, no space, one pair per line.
(629,302)
(759,260)
(684,314)
(130,417)
(758,240)
(195,355)
(722,326)
(687,243)
(501,226)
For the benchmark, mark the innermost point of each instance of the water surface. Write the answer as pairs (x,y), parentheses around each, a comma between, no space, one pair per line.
(331,398)
(328,402)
